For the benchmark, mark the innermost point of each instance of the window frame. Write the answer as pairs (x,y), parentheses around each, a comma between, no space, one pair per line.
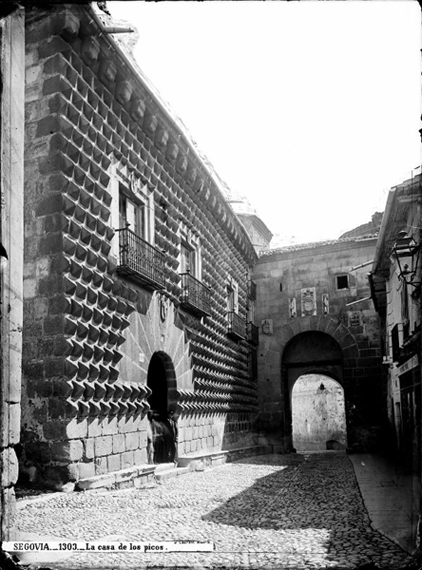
(191,244)
(124,182)
(341,276)
(232,296)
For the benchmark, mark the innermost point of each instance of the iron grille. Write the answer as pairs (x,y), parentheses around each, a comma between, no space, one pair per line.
(235,326)
(252,333)
(140,260)
(195,295)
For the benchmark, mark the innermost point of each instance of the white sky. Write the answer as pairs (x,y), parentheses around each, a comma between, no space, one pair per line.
(309,109)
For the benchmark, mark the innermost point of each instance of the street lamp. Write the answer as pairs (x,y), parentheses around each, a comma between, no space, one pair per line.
(406,252)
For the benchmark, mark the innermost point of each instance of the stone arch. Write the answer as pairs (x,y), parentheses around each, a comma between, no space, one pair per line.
(161,379)
(274,391)
(169,340)
(337,330)
(308,351)
(322,370)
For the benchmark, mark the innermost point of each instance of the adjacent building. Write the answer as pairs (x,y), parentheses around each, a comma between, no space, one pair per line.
(316,316)
(396,281)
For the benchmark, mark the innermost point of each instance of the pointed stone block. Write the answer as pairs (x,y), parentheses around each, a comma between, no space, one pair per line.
(93,333)
(72,409)
(82,330)
(113,374)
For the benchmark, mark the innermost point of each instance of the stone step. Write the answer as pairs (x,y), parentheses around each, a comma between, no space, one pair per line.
(163,467)
(200,461)
(164,474)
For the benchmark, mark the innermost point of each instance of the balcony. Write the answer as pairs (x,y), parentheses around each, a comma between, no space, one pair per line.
(196,297)
(140,261)
(252,290)
(235,326)
(252,334)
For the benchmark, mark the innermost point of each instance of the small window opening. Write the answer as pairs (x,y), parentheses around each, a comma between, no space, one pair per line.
(342,281)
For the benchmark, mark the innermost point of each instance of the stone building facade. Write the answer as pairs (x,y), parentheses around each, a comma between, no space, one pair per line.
(137,274)
(397,299)
(12,70)
(396,281)
(316,317)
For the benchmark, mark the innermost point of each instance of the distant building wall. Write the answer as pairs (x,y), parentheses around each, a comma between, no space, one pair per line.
(311,290)
(318,414)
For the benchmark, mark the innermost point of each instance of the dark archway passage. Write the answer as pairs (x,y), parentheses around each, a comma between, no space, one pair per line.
(311,352)
(157,382)
(161,380)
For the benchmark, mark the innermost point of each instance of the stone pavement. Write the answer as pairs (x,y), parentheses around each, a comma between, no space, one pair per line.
(273,511)
(390,496)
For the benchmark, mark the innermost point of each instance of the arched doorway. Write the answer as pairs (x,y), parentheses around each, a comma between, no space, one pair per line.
(161,380)
(310,352)
(157,382)
(318,414)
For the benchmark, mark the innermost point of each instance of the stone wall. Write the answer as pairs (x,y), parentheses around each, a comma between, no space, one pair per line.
(312,289)
(90,332)
(12,53)
(319,419)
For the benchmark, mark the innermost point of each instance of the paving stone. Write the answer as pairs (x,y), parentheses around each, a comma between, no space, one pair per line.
(272,511)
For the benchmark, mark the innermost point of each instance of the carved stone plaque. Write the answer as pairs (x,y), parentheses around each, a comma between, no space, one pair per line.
(267,326)
(308,299)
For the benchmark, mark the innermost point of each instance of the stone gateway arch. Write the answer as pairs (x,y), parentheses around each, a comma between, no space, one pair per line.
(329,329)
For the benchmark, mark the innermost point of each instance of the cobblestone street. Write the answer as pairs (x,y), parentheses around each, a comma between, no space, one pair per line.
(273,511)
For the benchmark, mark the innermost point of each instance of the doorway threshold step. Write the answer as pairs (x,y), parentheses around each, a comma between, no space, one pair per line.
(204,460)
(168,470)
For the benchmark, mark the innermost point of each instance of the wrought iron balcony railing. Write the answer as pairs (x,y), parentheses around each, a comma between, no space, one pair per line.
(235,326)
(140,260)
(196,296)
(252,333)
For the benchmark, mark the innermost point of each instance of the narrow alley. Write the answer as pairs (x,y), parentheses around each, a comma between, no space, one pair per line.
(272,511)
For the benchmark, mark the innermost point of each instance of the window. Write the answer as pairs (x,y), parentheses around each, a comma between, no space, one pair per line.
(132,203)
(190,254)
(188,259)
(405,310)
(133,213)
(235,324)
(342,282)
(195,295)
(253,364)
(395,343)
(232,297)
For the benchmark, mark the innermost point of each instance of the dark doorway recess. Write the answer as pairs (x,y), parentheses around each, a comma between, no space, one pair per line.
(157,382)
(161,380)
